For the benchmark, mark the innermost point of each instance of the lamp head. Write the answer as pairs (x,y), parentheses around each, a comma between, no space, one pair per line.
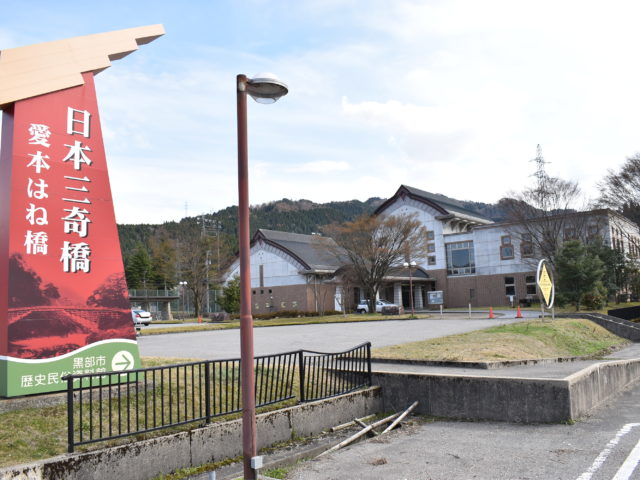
(266,88)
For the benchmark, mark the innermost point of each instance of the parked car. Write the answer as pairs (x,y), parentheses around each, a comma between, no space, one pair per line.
(141,317)
(363,306)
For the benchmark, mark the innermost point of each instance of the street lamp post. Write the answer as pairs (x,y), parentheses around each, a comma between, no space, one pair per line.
(410,266)
(264,88)
(183,289)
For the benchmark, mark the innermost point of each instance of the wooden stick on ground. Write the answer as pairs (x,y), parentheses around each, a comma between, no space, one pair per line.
(399,419)
(364,425)
(349,424)
(362,432)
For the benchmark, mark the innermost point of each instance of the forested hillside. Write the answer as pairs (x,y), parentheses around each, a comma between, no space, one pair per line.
(155,255)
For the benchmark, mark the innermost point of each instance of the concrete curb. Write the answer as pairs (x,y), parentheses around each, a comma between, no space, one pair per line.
(147,459)
(481,365)
(510,399)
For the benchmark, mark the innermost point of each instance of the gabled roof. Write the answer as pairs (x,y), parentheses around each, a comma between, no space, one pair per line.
(444,205)
(314,252)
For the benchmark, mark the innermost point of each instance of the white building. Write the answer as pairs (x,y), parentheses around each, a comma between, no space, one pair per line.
(471,259)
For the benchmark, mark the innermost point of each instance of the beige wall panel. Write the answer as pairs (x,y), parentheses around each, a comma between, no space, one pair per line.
(47,67)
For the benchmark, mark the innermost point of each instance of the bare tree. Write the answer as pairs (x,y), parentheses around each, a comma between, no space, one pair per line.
(348,282)
(195,268)
(620,190)
(371,245)
(545,215)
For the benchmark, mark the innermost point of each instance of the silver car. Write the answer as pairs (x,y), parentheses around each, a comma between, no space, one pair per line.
(363,306)
(141,317)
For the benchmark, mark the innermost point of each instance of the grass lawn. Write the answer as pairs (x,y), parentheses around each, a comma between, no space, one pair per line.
(277,322)
(32,434)
(518,341)
(38,433)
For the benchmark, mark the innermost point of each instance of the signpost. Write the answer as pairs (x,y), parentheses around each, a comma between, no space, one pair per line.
(546,288)
(64,305)
(436,297)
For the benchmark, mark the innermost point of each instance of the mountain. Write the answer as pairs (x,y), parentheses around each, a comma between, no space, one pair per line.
(297,216)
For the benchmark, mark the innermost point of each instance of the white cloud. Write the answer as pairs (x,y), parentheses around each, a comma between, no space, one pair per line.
(448,96)
(322,166)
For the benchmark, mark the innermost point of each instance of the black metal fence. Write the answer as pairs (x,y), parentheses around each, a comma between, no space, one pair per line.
(627,313)
(111,405)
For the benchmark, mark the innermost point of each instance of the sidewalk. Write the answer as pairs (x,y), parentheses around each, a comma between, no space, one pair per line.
(545,371)
(556,370)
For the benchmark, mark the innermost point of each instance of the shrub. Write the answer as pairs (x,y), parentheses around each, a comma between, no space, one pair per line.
(596,298)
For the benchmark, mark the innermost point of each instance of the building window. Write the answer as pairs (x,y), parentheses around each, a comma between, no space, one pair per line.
(431,247)
(430,235)
(526,238)
(506,252)
(526,249)
(510,286)
(431,260)
(530,280)
(506,249)
(460,258)
(261,276)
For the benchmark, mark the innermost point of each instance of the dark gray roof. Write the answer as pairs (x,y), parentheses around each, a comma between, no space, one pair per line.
(315,252)
(441,202)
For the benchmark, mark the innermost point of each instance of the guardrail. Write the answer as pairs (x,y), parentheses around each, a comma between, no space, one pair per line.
(112,405)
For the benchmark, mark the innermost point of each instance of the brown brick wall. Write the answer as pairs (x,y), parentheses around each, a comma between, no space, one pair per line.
(489,290)
(291,297)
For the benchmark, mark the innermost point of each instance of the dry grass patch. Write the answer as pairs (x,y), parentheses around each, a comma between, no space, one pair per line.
(37,433)
(518,341)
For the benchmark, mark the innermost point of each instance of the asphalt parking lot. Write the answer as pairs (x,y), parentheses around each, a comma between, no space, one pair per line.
(329,337)
(605,445)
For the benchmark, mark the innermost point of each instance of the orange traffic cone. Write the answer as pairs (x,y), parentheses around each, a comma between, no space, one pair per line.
(491,315)
(518,312)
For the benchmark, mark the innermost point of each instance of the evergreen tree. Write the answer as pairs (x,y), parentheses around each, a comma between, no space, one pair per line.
(230,300)
(580,274)
(163,263)
(138,268)
(618,268)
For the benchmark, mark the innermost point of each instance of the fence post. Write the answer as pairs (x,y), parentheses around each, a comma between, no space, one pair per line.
(369,363)
(70,443)
(301,369)
(207,393)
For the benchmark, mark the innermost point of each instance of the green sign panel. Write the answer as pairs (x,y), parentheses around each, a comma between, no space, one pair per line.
(29,376)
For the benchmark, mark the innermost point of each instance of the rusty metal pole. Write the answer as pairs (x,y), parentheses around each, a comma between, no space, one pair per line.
(249,449)
(411,291)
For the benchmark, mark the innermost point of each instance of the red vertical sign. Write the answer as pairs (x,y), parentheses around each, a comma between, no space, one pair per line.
(64,301)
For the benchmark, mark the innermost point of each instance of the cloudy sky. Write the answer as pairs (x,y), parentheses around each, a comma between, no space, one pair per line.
(450,96)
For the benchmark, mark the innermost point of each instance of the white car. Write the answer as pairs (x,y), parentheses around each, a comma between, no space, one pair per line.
(141,317)
(363,306)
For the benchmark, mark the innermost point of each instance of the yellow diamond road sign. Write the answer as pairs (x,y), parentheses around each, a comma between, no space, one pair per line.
(545,284)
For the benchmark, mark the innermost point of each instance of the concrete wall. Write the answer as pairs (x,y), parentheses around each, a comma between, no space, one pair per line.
(508,399)
(219,441)
(596,384)
(477,398)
